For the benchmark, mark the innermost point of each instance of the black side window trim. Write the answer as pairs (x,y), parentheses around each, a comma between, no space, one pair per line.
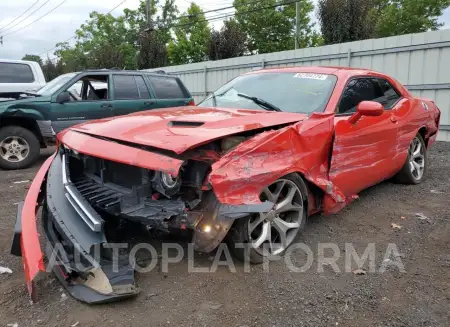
(340,114)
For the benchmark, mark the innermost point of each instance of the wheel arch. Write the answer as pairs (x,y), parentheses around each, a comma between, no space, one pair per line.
(24,122)
(423,131)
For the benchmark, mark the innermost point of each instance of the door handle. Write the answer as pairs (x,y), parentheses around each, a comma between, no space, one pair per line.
(394,120)
(106,105)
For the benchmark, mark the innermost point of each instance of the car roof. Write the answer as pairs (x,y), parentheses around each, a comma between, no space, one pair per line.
(158,73)
(330,70)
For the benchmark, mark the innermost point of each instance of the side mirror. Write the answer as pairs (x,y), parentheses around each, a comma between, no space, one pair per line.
(366,108)
(63,97)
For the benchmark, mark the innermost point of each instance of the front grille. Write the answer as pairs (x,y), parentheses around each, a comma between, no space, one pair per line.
(97,194)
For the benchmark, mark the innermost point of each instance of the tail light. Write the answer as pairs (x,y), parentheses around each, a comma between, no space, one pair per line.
(191,103)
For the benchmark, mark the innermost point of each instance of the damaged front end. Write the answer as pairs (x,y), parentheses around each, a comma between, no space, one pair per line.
(90,187)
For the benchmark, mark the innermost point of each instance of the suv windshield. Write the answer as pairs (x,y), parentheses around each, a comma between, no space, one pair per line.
(55,84)
(290,92)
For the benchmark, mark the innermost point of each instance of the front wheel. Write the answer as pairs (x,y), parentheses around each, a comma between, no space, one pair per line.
(267,234)
(19,147)
(415,167)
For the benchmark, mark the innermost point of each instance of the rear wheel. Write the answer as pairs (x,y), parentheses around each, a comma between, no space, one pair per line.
(415,167)
(19,147)
(270,233)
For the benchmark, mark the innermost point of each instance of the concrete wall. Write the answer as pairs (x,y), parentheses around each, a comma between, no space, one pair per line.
(420,61)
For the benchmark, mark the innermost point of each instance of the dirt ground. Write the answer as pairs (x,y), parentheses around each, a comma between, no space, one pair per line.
(420,296)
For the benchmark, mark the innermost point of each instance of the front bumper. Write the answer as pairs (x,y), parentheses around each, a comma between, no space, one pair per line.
(70,245)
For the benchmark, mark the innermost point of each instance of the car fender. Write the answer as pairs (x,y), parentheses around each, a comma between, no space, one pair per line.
(31,251)
(305,147)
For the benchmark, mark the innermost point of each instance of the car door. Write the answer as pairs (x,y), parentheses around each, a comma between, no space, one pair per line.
(90,100)
(131,94)
(363,152)
(169,91)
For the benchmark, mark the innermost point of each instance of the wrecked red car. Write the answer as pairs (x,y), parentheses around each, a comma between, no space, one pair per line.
(248,165)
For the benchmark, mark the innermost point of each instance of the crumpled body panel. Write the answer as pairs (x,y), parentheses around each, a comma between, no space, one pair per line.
(240,176)
(31,250)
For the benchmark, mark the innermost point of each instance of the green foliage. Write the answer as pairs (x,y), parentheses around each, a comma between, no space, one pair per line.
(352,20)
(33,58)
(345,20)
(229,42)
(397,17)
(192,35)
(273,29)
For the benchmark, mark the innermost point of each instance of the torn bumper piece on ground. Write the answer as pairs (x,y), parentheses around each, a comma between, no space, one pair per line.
(71,245)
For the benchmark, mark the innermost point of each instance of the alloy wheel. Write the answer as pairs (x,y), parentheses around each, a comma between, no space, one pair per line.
(417,158)
(272,232)
(14,149)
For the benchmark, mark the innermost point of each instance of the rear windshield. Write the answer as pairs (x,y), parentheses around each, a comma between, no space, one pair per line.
(15,73)
(290,92)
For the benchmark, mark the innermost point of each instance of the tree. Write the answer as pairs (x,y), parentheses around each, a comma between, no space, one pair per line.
(125,42)
(397,17)
(346,20)
(229,42)
(35,58)
(152,51)
(52,69)
(192,35)
(270,24)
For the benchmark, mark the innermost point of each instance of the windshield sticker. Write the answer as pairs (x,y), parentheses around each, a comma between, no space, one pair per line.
(319,77)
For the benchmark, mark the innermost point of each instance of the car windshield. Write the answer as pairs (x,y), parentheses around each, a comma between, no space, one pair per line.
(55,84)
(290,92)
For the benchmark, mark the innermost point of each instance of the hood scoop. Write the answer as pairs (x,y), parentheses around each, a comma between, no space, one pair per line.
(180,123)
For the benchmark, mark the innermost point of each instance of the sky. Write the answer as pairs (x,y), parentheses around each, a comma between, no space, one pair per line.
(61,24)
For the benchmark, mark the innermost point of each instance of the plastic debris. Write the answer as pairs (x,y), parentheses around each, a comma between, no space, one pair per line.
(359,272)
(403,217)
(395,226)
(13,325)
(421,216)
(5,270)
(22,182)
(436,192)
(75,324)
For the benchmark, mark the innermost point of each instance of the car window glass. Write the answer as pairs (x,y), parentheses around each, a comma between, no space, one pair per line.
(167,87)
(15,73)
(75,91)
(302,92)
(142,87)
(357,90)
(390,94)
(125,87)
(89,88)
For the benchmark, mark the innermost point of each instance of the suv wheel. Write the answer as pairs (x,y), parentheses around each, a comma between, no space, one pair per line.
(19,147)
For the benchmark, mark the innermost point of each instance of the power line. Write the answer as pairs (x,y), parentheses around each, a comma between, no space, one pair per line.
(20,15)
(70,38)
(221,17)
(25,17)
(214,18)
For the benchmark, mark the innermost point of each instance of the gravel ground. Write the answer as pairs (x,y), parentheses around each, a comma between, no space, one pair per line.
(420,296)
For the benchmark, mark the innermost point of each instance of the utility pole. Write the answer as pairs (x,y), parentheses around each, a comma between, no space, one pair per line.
(297,23)
(148,14)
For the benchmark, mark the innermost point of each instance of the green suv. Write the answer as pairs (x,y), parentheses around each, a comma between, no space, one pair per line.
(31,123)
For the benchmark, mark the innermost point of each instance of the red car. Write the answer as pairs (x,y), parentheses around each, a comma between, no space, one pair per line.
(248,165)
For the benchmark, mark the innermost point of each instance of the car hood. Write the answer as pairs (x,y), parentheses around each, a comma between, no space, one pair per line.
(20,103)
(183,128)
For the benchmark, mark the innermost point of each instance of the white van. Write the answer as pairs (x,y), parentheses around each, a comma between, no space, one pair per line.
(19,76)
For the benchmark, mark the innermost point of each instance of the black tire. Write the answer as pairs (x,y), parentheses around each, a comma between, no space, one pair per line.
(30,138)
(239,232)
(405,175)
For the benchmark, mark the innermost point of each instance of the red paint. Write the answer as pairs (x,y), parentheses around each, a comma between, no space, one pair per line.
(340,155)
(153,128)
(31,250)
(118,152)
